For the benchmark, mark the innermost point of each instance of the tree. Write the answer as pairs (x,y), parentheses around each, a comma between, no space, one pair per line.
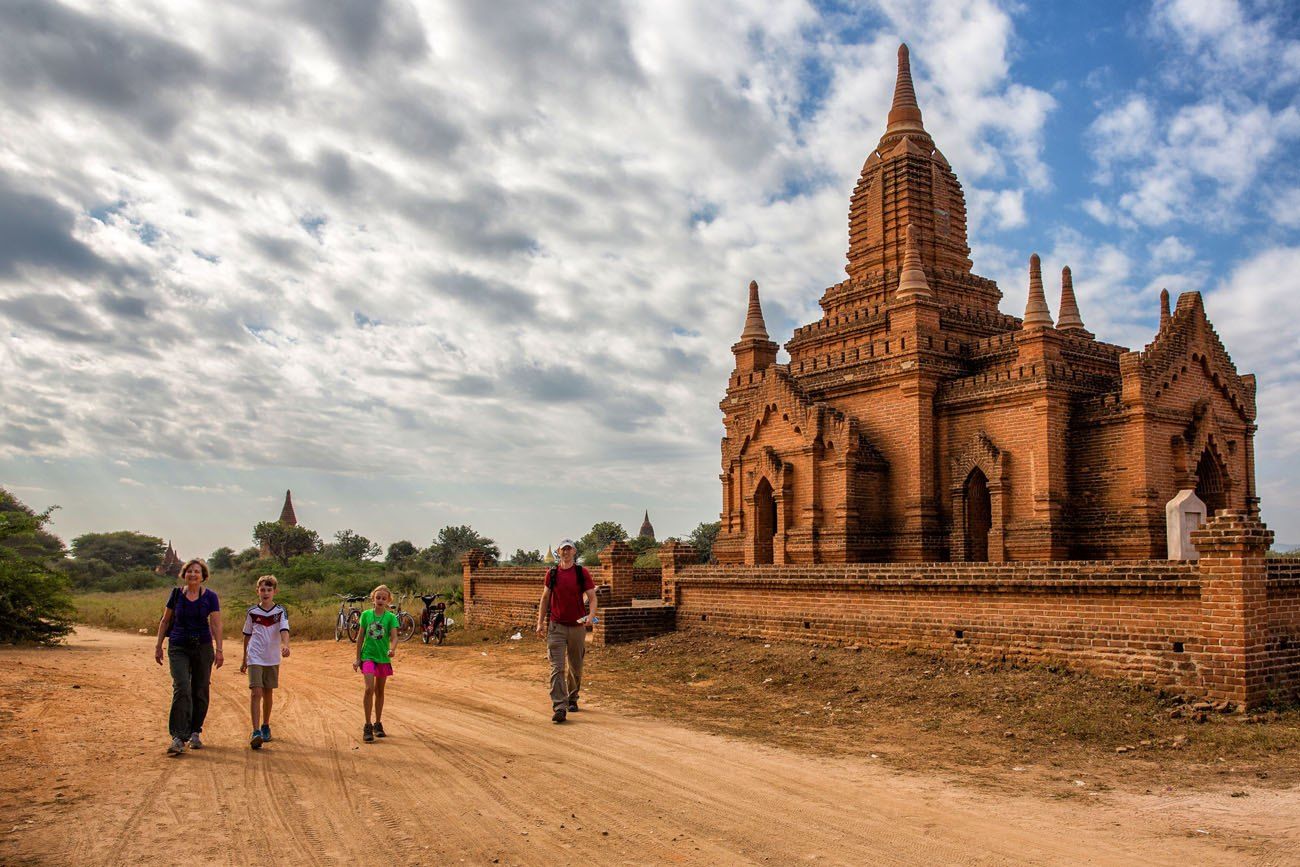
(34,602)
(38,543)
(399,552)
(123,549)
(452,542)
(702,539)
(285,541)
(598,539)
(526,558)
(248,555)
(222,558)
(641,544)
(348,545)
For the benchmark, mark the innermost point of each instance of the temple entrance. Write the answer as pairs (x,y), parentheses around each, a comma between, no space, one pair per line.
(764,522)
(1211,484)
(979,516)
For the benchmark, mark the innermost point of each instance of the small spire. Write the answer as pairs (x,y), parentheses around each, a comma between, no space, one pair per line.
(1036,313)
(1069,318)
(286,514)
(912,283)
(904,114)
(755,328)
(1164,308)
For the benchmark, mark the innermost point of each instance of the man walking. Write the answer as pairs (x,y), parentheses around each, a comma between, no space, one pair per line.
(568,605)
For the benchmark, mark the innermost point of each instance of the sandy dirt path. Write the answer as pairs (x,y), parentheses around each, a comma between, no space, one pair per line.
(475,773)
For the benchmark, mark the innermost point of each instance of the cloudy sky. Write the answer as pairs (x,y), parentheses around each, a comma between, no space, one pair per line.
(468,262)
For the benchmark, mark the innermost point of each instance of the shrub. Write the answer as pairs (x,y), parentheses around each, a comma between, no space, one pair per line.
(35,605)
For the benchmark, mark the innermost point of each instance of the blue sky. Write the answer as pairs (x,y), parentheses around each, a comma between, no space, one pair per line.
(439,263)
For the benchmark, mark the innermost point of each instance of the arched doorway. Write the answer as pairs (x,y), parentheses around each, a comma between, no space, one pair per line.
(979,516)
(764,522)
(1211,483)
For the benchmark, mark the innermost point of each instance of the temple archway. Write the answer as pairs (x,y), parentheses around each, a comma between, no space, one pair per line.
(979,516)
(1211,483)
(764,522)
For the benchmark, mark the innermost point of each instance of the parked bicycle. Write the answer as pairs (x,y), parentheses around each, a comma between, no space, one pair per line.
(434,620)
(348,621)
(405,621)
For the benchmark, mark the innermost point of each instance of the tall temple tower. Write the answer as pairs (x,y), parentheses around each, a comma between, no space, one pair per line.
(916,421)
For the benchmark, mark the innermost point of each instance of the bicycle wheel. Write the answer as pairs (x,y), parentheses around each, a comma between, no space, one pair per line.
(354,625)
(405,626)
(441,632)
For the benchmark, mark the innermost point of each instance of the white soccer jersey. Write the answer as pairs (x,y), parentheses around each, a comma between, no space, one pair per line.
(263,628)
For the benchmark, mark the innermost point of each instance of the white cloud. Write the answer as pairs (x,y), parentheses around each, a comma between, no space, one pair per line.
(130,482)
(1170,250)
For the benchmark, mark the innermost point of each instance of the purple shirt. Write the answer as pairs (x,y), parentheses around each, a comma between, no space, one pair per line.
(190,619)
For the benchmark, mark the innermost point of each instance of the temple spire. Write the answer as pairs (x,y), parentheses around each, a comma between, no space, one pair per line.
(904,114)
(1164,308)
(912,282)
(755,328)
(1036,313)
(286,514)
(1068,318)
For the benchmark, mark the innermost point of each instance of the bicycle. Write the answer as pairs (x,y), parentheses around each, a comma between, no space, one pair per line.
(348,621)
(405,622)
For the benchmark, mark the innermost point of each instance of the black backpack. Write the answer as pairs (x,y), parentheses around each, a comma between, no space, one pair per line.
(553,574)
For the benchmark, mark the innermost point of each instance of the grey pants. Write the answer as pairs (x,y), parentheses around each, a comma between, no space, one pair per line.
(561,642)
(191,666)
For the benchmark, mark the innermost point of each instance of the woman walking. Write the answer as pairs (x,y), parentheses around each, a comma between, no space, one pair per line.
(191,622)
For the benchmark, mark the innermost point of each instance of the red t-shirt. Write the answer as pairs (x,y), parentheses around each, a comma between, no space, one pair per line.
(566,596)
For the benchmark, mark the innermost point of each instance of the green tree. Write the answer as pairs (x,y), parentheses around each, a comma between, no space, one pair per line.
(598,539)
(285,541)
(34,602)
(122,549)
(348,545)
(222,558)
(399,552)
(702,539)
(641,544)
(248,555)
(452,542)
(39,543)
(526,558)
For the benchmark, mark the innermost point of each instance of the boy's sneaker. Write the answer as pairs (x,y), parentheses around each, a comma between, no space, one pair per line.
(176,748)
(256,741)
(368,734)
(379,730)
(266,733)
(195,743)
(558,716)
(573,707)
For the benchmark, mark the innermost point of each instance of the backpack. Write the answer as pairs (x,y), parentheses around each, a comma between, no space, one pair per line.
(553,575)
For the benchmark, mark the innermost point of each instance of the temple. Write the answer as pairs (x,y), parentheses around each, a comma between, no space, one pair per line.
(171,563)
(915,421)
(287,516)
(647,530)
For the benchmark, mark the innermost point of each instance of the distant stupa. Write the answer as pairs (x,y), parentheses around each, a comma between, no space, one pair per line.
(550,555)
(171,562)
(287,516)
(647,529)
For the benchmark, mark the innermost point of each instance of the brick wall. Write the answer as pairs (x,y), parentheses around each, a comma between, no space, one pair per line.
(632,623)
(1282,673)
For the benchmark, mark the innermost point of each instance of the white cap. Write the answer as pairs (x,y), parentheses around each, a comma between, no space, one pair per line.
(563,543)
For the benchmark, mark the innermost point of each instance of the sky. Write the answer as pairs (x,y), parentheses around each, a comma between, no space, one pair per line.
(431,263)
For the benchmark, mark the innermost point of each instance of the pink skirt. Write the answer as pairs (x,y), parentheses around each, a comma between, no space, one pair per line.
(378,669)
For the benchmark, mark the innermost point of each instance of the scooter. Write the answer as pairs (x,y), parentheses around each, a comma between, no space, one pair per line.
(433,620)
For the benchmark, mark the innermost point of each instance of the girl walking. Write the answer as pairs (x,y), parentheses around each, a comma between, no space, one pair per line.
(191,622)
(375,647)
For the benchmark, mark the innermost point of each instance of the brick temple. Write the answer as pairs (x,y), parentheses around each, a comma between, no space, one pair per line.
(915,421)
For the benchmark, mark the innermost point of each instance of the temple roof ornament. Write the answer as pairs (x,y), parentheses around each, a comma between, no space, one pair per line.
(912,282)
(1036,313)
(755,327)
(1164,309)
(1068,318)
(904,113)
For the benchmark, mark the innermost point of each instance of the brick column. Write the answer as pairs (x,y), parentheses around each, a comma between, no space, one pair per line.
(1234,606)
(469,561)
(673,556)
(617,560)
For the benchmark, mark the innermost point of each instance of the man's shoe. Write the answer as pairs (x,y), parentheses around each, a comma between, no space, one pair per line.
(256,741)
(558,716)
(176,748)
(379,730)
(573,707)
(266,733)
(368,734)
(195,743)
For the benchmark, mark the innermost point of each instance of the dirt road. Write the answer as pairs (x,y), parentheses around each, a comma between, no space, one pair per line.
(475,773)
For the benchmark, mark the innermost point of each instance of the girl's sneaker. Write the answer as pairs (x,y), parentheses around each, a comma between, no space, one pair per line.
(176,748)
(368,734)
(266,733)
(256,741)
(379,730)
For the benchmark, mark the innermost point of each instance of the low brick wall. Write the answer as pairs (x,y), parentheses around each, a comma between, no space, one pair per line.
(1282,674)
(503,596)
(1134,619)
(647,582)
(633,623)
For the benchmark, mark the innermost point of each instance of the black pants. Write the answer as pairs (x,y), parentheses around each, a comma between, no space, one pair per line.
(191,665)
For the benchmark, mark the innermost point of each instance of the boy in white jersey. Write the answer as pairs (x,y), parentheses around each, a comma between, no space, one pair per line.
(266,639)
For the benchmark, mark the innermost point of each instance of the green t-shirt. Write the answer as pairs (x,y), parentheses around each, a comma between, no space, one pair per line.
(374,631)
